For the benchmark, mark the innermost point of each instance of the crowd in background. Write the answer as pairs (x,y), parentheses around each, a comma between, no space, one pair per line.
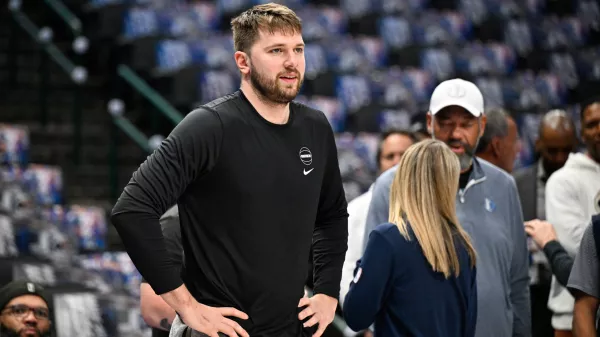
(62,246)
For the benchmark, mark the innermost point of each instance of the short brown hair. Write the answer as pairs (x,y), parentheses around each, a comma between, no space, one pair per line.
(269,17)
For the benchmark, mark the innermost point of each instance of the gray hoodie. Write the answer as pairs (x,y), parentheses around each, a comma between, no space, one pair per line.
(490,211)
(572,197)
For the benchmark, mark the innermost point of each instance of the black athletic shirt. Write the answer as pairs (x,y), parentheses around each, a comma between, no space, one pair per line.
(169,223)
(463,180)
(252,196)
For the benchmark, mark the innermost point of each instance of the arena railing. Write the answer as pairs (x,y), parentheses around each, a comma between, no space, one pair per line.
(116,109)
(142,87)
(126,73)
(66,15)
(116,106)
(49,51)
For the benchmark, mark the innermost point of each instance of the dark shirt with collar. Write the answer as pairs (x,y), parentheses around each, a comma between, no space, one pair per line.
(464,178)
(531,184)
(396,288)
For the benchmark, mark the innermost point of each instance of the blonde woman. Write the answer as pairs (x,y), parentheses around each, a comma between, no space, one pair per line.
(417,275)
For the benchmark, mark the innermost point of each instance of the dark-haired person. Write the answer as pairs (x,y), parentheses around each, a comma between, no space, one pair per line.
(24,310)
(544,236)
(257,182)
(556,139)
(572,197)
(499,144)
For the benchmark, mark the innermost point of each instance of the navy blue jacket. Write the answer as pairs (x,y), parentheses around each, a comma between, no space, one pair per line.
(395,287)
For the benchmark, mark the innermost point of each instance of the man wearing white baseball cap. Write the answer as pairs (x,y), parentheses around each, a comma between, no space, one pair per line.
(488,208)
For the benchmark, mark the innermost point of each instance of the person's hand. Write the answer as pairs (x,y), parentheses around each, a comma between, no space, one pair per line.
(211,321)
(368,333)
(203,318)
(321,309)
(540,231)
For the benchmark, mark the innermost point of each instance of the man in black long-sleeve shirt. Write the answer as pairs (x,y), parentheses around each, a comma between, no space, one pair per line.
(256,179)
(543,234)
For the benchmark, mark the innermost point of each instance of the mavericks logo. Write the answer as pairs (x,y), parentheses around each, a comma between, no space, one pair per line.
(305,156)
(456,91)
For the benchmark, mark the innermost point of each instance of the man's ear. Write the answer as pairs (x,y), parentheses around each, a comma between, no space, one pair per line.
(482,123)
(242,60)
(496,147)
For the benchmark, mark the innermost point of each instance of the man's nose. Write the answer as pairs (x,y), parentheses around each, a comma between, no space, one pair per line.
(291,60)
(457,133)
(30,317)
(289,64)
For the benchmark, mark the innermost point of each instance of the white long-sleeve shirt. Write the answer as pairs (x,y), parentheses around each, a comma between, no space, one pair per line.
(570,204)
(358,209)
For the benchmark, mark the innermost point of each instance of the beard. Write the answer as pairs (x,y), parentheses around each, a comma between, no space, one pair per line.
(465,159)
(272,90)
(6,332)
(550,167)
(594,151)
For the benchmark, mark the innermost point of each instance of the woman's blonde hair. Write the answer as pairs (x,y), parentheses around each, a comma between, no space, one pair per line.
(423,194)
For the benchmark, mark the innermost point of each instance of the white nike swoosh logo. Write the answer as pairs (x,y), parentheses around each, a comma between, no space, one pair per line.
(309,171)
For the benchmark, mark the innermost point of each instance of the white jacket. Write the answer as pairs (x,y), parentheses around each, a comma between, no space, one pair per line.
(357,219)
(570,204)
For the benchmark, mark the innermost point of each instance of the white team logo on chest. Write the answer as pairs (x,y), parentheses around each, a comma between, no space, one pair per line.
(306,158)
(490,206)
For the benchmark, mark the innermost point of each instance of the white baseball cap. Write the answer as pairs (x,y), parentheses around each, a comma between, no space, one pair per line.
(457,92)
